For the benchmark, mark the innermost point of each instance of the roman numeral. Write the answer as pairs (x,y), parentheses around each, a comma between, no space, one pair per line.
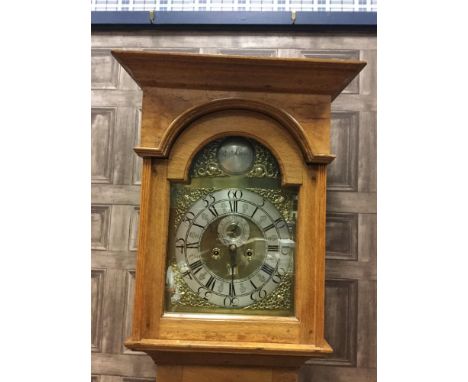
(213,211)
(273,248)
(193,245)
(187,273)
(256,209)
(233,204)
(210,284)
(267,228)
(267,268)
(251,282)
(277,223)
(196,266)
(180,243)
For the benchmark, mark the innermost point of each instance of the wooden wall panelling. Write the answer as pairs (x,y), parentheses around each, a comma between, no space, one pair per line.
(125,365)
(123,145)
(97,286)
(115,194)
(341,236)
(367,241)
(340,322)
(344,135)
(113,89)
(368,77)
(129,298)
(100,223)
(102,128)
(120,232)
(236,40)
(113,310)
(133,235)
(249,52)
(104,70)
(357,202)
(137,161)
(367,324)
(367,179)
(314,373)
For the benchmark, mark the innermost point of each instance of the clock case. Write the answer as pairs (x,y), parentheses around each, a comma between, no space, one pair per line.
(188,101)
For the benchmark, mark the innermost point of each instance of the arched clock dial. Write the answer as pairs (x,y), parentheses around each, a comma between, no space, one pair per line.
(233,247)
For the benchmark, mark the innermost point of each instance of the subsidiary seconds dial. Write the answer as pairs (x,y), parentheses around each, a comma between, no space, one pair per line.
(233,247)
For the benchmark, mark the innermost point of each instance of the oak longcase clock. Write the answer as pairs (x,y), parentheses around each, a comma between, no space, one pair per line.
(231,258)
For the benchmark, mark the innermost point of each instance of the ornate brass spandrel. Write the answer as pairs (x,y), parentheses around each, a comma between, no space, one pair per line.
(184,197)
(265,165)
(279,299)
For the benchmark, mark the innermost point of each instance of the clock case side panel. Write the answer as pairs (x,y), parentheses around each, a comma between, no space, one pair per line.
(154,330)
(152,247)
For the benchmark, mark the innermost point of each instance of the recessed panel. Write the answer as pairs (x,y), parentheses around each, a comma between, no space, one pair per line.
(97,285)
(340,322)
(128,313)
(137,161)
(104,70)
(134,222)
(341,236)
(100,216)
(102,126)
(342,172)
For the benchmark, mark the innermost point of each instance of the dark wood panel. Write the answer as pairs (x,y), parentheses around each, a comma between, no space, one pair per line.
(367,181)
(133,237)
(367,324)
(113,311)
(339,269)
(139,366)
(340,322)
(115,194)
(100,216)
(367,241)
(124,132)
(129,294)
(342,236)
(113,259)
(137,161)
(97,286)
(104,70)
(313,373)
(342,172)
(357,202)
(102,131)
(120,228)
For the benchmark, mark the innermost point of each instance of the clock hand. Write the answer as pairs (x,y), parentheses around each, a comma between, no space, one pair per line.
(233,253)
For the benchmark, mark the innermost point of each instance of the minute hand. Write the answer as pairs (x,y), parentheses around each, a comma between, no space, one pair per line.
(233,258)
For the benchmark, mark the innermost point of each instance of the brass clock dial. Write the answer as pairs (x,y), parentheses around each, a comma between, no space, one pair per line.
(231,239)
(232,247)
